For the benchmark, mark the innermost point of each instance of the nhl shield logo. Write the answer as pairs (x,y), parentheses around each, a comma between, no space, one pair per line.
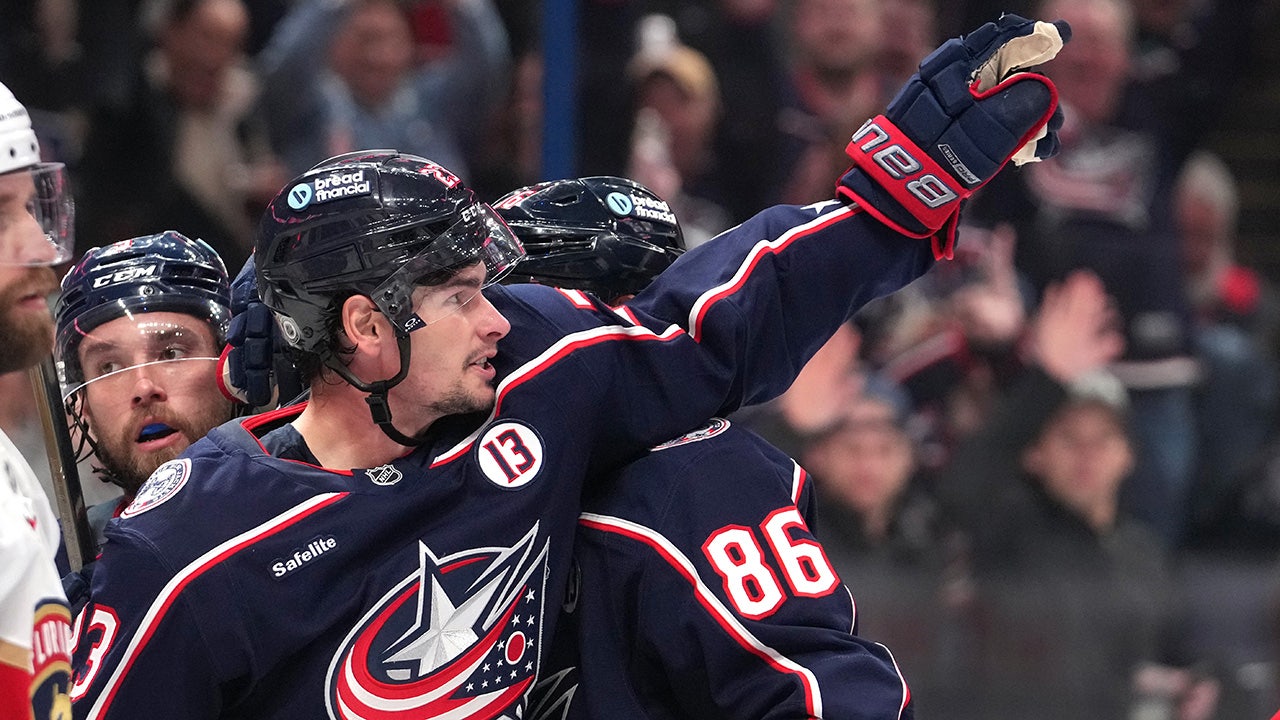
(384,475)
(459,638)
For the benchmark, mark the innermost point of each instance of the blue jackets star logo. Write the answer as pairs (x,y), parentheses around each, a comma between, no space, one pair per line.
(456,639)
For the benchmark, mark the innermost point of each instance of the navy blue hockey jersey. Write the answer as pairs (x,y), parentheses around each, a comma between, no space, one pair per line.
(239,584)
(699,591)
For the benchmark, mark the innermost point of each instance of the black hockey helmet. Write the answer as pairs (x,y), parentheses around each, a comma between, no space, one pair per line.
(166,272)
(606,235)
(378,223)
(375,223)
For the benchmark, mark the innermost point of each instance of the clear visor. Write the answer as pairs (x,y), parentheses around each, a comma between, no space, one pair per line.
(476,252)
(36,216)
(116,355)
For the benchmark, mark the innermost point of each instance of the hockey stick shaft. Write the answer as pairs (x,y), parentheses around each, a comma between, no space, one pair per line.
(68,494)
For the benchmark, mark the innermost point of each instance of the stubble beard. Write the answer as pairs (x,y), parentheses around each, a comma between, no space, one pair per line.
(458,401)
(129,469)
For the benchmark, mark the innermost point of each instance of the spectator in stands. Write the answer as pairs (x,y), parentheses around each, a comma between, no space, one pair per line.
(1105,203)
(1222,289)
(864,464)
(914,36)
(43,62)
(345,75)
(1083,592)
(882,530)
(511,155)
(832,380)
(1072,336)
(745,43)
(952,340)
(185,151)
(1236,319)
(1161,27)
(678,109)
(834,84)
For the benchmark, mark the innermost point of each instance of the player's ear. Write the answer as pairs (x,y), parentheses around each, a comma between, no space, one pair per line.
(362,321)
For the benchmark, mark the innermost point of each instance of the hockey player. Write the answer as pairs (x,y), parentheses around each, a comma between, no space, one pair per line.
(698,589)
(35,234)
(398,545)
(140,324)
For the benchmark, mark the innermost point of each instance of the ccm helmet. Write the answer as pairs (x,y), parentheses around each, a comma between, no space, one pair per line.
(156,273)
(606,235)
(167,272)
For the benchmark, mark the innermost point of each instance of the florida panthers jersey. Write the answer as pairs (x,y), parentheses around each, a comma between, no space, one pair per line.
(240,584)
(35,624)
(698,590)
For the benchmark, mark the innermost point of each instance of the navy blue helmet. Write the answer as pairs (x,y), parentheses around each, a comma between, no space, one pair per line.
(166,272)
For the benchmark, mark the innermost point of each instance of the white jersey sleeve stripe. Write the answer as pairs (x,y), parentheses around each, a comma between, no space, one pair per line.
(577,297)
(765,247)
(798,477)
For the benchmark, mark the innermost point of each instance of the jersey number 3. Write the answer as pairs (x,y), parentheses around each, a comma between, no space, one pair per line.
(750,582)
(99,636)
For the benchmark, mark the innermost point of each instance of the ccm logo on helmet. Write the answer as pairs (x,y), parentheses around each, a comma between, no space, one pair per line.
(329,187)
(126,275)
(899,164)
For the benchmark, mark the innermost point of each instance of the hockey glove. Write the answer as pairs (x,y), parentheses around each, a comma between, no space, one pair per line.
(246,364)
(75,586)
(968,111)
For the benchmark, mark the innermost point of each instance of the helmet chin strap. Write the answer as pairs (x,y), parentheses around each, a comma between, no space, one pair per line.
(379,409)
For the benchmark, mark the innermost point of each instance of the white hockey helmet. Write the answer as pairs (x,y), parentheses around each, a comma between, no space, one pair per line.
(19,148)
(44,198)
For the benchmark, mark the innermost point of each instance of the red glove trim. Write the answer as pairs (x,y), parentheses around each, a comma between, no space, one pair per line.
(223,377)
(920,185)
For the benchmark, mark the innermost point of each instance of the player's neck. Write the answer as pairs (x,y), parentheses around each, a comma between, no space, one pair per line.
(341,433)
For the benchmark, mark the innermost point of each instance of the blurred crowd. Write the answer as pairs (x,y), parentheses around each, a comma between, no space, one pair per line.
(1049,471)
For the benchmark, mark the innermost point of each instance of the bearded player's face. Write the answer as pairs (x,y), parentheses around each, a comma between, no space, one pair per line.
(25,285)
(150,391)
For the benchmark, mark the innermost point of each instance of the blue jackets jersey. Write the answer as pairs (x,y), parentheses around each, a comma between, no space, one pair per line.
(239,584)
(699,591)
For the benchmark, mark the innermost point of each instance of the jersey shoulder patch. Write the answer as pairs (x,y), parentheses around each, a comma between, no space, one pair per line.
(163,484)
(713,428)
(510,454)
